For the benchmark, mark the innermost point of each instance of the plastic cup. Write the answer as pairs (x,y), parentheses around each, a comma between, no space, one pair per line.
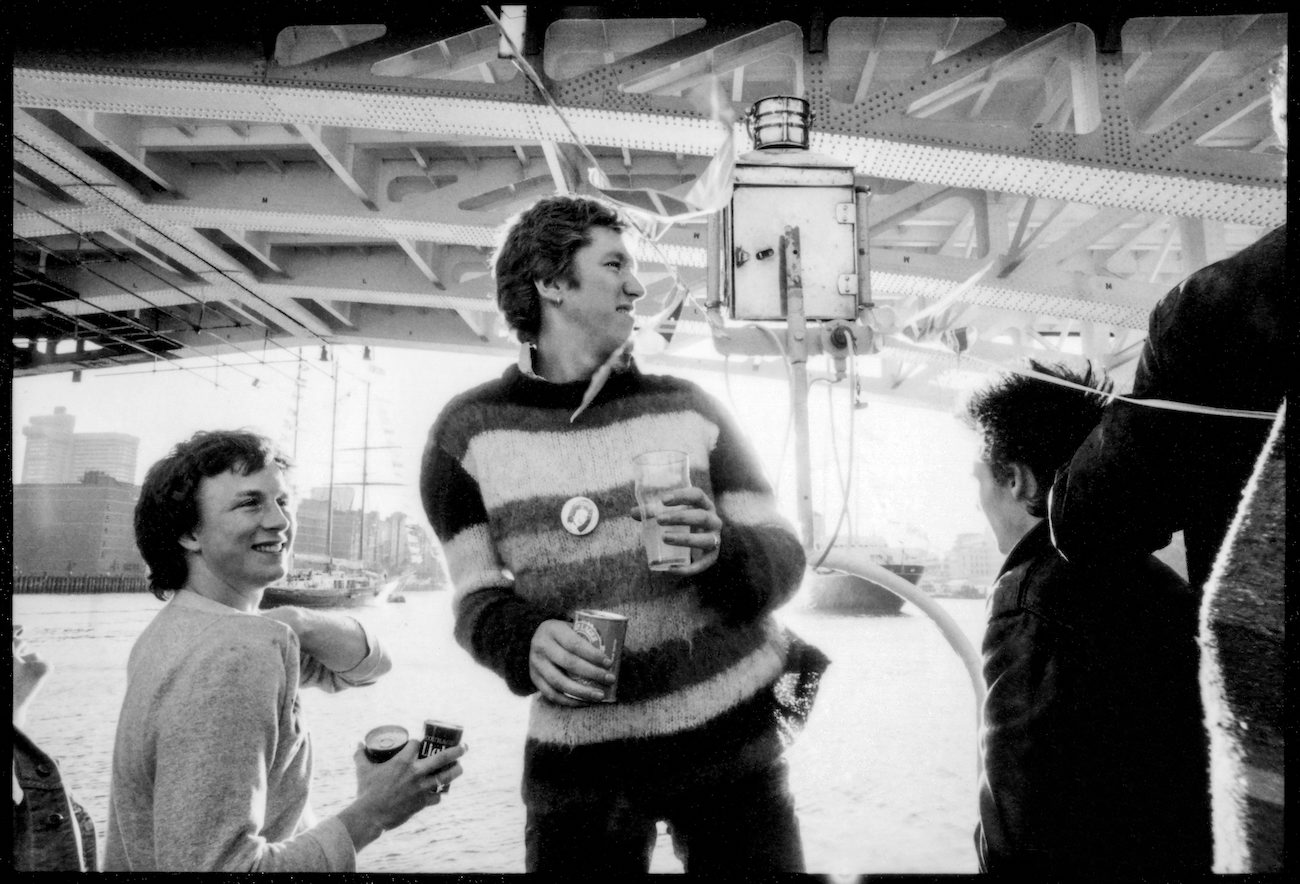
(656,474)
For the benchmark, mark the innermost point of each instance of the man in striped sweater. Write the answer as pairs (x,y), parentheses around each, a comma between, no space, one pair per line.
(710,688)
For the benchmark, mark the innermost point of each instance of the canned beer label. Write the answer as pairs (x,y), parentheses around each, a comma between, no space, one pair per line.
(439,735)
(606,632)
(588,630)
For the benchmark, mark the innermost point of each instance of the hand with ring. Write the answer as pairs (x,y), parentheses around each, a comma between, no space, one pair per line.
(391,792)
(694,508)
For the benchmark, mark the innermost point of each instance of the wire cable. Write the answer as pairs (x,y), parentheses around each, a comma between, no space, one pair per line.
(1166,404)
(196,327)
(100,189)
(77,321)
(845,474)
(530,73)
(85,267)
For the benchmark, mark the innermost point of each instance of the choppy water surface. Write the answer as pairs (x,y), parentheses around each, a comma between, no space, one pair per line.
(883,776)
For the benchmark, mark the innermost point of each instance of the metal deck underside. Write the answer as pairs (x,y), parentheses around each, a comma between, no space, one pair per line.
(309,179)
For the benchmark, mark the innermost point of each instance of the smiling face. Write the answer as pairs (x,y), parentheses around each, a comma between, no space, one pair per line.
(242,540)
(595,315)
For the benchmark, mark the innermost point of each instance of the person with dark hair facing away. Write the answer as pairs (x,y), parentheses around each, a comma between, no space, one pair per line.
(212,761)
(709,686)
(1094,752)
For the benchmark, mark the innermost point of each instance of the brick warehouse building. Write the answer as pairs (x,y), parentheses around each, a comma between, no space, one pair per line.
(81,528)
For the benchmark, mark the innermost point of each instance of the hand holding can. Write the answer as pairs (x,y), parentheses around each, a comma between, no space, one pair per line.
(389,792)
(607,631)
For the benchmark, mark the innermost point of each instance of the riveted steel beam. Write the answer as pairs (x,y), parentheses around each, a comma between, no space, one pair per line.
(356,168)
(1004,163)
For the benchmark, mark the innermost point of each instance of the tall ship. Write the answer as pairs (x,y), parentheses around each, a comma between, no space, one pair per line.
(329,581)
(336,588)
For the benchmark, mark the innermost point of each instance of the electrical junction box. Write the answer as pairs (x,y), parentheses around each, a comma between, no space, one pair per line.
(780,188)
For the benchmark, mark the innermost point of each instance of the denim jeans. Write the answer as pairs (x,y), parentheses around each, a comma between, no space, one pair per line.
(732,826)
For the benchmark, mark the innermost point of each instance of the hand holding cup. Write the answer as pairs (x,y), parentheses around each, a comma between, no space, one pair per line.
(675,516)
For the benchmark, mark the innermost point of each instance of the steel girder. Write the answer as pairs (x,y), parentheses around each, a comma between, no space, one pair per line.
(320,192)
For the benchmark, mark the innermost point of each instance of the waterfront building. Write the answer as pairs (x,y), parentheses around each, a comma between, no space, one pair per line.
(76,528)
(314,525)
(111,453)
(56,455)
(974,557)
(47,458)
(385,540)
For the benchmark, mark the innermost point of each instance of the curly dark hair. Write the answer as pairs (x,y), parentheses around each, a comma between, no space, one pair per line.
(1027,420)
(168,507)
(539,245)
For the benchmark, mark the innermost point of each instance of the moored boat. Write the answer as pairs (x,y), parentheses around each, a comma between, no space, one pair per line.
(328,589)
(958,589)
(851,594)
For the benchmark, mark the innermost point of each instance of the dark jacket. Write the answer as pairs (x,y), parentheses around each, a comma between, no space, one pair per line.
(1222,338)
(52,833)
(1095,754)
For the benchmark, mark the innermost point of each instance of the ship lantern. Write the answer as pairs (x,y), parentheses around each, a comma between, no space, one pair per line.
(782,184)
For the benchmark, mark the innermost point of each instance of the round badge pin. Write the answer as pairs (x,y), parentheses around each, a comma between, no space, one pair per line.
(579,515)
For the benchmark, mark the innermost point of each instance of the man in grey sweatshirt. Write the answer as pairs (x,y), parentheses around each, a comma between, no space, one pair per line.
(212,761)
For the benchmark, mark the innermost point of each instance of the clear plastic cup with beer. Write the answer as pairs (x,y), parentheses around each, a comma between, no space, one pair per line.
(656,474)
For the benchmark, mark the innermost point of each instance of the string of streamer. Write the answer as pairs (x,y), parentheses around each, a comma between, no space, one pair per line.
(650,212)
(653,212)
(1166,404)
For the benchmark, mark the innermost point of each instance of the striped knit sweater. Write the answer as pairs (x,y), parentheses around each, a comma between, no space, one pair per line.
(1243,672)
(702,653)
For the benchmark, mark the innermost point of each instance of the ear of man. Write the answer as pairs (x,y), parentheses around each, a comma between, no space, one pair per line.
(549,291)
(1024,487)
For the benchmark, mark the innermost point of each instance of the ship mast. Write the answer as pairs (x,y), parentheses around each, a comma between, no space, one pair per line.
(329,507)
(297,404)
(365,459)
(365,482)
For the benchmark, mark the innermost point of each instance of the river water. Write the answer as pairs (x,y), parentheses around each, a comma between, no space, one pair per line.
(884,775)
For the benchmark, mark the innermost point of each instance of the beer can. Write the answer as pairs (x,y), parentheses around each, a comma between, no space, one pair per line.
(384,742)
(606,631)
(439,735)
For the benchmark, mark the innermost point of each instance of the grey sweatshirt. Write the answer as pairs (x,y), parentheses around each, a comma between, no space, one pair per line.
(212,761)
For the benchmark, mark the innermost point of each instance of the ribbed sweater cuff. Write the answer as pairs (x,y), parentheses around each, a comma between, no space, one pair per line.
(336,843)
(503,636)
(746,581)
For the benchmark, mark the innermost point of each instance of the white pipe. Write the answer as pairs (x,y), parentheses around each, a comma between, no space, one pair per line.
(859,564)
